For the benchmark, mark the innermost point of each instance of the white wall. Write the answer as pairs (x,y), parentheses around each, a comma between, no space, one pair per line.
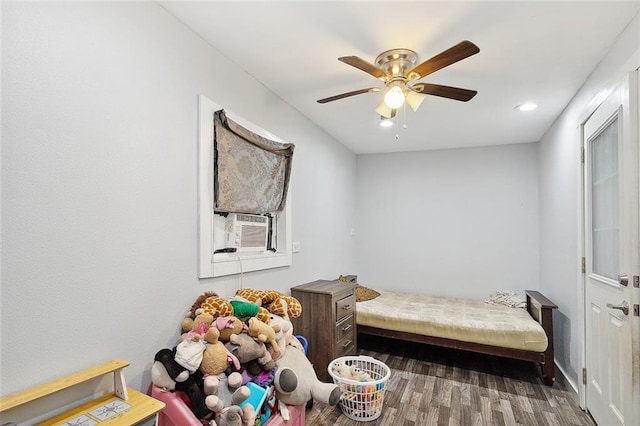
(458,222)
(560,215)
(99,196)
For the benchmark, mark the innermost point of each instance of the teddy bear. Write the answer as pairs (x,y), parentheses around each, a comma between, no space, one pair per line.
(215,357)
(188,324)
(167,374)
(251,353)
(296,381)
(228,326)
(224,396)
(264,332)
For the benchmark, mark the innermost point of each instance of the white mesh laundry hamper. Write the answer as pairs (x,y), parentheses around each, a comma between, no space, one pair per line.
(363,391)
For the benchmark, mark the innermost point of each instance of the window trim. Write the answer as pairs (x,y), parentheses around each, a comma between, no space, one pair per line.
(229,264)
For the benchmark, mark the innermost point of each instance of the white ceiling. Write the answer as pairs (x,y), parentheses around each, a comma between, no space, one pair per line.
(539,51)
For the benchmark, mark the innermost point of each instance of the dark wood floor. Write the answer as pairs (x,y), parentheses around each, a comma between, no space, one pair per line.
(439,386)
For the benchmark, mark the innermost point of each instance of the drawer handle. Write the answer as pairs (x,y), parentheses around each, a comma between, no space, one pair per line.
(347,327)
(347,307)
(347,344)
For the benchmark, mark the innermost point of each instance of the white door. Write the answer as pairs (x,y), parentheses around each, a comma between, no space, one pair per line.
(611,252)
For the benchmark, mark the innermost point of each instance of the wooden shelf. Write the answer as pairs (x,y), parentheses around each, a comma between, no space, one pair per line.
(141,407)
(124,406)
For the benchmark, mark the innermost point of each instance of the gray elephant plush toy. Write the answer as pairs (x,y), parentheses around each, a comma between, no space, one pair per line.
(296,381)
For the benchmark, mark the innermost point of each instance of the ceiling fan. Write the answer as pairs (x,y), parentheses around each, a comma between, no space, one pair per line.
(398,70)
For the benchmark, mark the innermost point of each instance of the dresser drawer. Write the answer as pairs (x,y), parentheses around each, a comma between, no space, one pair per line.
(344,327)
(346,346)
(345,307)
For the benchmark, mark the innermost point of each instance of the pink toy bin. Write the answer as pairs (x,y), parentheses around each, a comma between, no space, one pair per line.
(177,413)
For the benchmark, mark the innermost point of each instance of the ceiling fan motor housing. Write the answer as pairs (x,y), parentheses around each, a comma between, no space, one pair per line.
(396,63)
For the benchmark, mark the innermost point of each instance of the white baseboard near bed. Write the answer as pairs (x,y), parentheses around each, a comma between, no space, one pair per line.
(567,380)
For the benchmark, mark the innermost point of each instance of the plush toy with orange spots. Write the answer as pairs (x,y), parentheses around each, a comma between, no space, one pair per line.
(216,306)
(273,301)
(209,304)
(286,306)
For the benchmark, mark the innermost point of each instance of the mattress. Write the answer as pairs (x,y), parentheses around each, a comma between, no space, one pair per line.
(451,318)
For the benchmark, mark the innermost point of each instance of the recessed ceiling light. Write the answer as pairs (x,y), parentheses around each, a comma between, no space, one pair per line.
(527,106)
(386,123)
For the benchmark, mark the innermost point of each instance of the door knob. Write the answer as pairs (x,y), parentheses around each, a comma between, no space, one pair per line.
(624,307)
(623,279)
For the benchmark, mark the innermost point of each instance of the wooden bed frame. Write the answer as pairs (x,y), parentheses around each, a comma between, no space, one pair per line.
(539,307)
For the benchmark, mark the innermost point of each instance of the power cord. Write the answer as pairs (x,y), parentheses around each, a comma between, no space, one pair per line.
(232,250)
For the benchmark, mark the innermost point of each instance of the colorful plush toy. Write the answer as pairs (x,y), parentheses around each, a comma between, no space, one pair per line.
(224,394)
(296,381)
(198,329)
(167,374)
(264,332)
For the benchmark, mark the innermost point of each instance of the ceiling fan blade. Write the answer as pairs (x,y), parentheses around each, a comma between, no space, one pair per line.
(363,65)
(347,94)
(414,99)
(385,110)
(460,51)
(456,93)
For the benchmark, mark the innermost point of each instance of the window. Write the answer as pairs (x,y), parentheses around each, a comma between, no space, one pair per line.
(211,224)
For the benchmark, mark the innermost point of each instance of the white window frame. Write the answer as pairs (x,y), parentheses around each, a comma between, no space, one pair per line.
(223,264)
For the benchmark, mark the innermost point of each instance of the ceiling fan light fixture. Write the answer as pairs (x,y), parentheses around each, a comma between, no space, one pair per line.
(394,98)
(384,111)
(414,99)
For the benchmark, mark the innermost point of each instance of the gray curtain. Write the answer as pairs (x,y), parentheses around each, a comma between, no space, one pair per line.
(251,173)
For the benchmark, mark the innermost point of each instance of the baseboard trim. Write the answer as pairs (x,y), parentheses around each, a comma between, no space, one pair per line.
(573,385)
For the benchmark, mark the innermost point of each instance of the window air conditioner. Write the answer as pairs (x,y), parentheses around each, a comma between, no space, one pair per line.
(246,232)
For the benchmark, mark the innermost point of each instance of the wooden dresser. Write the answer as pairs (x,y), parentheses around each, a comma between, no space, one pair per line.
(328,322)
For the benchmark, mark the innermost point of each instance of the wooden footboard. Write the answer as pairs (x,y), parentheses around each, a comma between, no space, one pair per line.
(540,308)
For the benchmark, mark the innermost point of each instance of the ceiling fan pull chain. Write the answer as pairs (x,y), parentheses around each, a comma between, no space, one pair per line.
(404,116)
(397,127)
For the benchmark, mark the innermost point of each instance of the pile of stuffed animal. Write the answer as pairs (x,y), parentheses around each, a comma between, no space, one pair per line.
(227,343)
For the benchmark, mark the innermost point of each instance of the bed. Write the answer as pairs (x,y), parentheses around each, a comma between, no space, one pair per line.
(469,325)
